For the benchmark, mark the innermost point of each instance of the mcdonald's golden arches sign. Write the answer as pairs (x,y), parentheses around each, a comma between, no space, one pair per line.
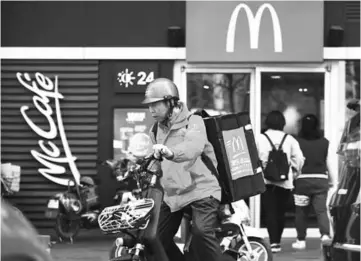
(254,31)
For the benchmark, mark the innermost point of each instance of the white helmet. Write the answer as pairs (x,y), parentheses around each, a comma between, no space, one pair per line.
(140,145)
(159,90)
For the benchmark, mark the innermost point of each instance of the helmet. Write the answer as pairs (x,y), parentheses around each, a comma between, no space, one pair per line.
(160,89)
(140,145)
(87,181)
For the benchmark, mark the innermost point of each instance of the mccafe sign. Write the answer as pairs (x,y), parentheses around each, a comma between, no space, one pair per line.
(254,31)
(46,91)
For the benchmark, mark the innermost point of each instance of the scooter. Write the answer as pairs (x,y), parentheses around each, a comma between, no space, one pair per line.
(238,239)
(79,206)
(135,219)
(76,208)
(130,219)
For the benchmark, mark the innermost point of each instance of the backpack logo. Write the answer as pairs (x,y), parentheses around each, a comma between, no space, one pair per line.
(236,144)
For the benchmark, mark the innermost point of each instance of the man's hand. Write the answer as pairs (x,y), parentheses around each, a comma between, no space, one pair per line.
(162,150)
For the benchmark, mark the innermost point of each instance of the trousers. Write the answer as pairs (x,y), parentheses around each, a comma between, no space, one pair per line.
(274,203)
(205,245)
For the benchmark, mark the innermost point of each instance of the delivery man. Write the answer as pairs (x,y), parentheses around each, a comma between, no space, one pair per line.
(180,138)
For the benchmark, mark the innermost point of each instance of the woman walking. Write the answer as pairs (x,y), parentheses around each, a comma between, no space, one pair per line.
(278,193)
(312,185)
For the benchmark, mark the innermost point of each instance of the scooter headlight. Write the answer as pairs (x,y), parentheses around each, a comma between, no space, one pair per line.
(246,222)
(76,206)
(71,204)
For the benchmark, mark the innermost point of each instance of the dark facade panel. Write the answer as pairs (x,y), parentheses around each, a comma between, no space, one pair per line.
(345,14)
(125,23)
(79,84)
(89,23)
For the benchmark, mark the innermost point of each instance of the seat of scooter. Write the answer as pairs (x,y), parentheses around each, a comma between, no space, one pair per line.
(227,229)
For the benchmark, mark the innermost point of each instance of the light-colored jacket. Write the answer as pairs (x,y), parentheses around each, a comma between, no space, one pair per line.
(186,178)
(290,146)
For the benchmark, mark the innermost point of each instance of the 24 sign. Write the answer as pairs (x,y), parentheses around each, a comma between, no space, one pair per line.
(127,78)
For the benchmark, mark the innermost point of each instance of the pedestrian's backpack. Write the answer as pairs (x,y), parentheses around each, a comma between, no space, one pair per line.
(277,167)
(248,180)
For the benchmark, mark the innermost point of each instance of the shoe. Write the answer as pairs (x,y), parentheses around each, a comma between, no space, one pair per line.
(299,244)
(325,238)
(275,248)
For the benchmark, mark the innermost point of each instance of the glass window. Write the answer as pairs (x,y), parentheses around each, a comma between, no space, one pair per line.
(294,94)
(218,93)
(352,84)
(127,122)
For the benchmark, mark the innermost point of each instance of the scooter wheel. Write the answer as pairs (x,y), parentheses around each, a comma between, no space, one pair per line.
(65,228)
(261,250)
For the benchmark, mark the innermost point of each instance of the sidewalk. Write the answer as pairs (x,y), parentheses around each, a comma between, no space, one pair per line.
(92,246)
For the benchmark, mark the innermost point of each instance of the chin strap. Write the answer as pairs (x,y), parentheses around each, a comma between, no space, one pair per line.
(172,105)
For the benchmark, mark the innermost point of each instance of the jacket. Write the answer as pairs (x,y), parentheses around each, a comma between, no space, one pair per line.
(290,147)
(185,177)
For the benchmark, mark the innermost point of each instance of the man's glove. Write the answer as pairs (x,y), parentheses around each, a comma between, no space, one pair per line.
(162,150)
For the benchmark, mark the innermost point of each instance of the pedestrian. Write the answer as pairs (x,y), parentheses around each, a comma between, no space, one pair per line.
(180,138)
(316,178)
(278,193)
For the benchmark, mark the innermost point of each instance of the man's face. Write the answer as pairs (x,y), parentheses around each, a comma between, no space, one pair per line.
(159,110)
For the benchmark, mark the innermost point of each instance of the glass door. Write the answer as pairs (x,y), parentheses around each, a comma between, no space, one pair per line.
(295,92)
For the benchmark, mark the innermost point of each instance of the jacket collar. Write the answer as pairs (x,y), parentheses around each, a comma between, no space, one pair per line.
(179,118)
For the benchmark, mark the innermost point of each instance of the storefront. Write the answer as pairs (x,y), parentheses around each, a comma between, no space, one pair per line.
(64,106)
(101,80)
(259,57)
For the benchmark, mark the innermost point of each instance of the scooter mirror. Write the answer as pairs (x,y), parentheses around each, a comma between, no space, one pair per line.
(111,163)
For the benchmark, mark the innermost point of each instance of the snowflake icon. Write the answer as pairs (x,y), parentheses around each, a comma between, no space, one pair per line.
(125,77)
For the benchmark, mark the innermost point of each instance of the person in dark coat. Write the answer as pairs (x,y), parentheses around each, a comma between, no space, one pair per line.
(314,181)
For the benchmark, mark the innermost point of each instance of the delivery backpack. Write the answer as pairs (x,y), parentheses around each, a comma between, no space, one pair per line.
(239,170)
(277,167)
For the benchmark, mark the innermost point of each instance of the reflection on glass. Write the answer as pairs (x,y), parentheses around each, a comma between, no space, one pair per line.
(352,84)
(127,122)
(218,93)
(294,94)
